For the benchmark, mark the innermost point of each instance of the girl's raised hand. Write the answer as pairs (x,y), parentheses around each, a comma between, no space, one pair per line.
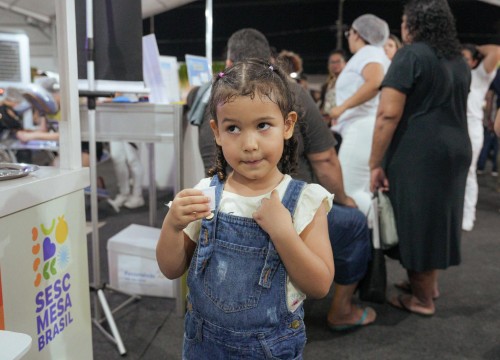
(272,216)
(188,205)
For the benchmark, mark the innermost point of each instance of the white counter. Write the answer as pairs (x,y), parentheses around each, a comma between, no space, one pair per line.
(45,184)
(44,285)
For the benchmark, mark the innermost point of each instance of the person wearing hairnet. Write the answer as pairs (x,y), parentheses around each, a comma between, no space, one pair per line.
(357,90)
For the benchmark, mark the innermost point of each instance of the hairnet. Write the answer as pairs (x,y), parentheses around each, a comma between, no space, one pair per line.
(372,29)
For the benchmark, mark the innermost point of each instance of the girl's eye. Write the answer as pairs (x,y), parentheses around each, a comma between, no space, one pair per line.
(233,129)
(263,126)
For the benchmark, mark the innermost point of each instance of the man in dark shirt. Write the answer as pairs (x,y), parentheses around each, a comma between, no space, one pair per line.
(317,163)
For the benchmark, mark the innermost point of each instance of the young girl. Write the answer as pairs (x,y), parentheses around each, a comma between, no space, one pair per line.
(252,260)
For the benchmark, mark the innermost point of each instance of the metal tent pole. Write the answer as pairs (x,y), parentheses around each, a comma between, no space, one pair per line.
(100,302)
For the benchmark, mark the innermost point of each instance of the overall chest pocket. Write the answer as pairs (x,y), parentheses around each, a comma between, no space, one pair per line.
(231,279)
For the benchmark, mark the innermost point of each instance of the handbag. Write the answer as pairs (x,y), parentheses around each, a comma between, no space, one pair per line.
(373,286)
(387,222)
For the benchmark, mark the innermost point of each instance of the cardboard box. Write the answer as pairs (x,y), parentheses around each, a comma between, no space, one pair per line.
(132,262)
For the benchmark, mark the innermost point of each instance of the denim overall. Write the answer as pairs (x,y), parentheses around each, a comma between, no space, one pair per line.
(237,306)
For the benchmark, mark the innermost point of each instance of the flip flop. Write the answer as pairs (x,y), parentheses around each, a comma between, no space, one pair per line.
(405,286)
(398,303)
(357,324)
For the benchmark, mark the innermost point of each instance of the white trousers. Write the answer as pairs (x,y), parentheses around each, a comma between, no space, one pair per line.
(127,165)
(476,135)
(354,154)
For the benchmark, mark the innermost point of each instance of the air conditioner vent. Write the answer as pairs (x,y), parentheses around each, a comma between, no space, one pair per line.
(14,60)
(10,69)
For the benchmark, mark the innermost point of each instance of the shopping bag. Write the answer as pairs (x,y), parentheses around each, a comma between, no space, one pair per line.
(387,222)
(373,286)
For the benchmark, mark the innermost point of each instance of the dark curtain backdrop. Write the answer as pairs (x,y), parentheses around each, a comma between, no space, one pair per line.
(117,39)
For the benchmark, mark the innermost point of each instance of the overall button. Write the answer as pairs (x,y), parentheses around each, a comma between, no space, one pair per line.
(295,324)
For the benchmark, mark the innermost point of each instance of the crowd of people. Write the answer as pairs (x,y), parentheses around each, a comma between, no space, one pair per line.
(399,117)
(417,117)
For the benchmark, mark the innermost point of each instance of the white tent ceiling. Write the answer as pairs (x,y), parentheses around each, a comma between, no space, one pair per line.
(44,10)
(36,18)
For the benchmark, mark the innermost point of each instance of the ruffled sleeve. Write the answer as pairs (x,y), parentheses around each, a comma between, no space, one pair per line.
(312,197)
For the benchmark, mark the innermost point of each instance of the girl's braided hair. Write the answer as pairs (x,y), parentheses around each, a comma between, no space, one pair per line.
(253,77)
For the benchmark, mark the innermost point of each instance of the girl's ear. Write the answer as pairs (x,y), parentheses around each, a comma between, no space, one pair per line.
(215,129)
(290,121)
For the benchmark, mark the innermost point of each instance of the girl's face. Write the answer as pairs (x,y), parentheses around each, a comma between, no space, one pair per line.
(390,48)
(251,133)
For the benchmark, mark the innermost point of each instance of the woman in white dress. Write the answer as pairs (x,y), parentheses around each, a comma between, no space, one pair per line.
(357,91)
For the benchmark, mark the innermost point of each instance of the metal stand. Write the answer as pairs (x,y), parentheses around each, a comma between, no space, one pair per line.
(100,302)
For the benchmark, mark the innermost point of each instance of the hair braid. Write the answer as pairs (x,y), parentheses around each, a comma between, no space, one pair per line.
(220,166)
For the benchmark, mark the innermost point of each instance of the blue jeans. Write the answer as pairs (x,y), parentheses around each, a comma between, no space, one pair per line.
(350,239)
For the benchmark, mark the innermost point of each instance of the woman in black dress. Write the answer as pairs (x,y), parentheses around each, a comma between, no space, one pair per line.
(421,149)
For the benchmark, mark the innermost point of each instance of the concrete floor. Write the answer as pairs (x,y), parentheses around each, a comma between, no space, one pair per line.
(466,324)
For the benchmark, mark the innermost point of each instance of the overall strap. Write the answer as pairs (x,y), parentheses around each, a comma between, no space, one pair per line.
(290,199)
(292,194)
(219,187)
(206,244)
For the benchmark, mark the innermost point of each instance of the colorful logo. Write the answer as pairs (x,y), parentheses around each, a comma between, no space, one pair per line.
(53,300)
(48,253)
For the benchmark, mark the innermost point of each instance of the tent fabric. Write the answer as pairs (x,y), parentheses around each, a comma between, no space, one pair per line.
(44,11)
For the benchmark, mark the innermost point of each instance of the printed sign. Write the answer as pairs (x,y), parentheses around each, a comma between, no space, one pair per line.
(44,278)
(51,256)
(198,70)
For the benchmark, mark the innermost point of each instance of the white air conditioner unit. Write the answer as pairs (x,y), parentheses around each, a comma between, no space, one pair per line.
(14,60)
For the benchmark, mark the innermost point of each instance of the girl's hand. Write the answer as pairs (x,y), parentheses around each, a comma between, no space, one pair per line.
(189,205)
(272,216)
(378,180)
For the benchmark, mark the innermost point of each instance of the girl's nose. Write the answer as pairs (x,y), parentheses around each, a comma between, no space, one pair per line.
(250,142)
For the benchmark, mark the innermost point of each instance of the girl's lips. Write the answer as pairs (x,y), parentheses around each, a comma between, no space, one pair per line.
(252,162)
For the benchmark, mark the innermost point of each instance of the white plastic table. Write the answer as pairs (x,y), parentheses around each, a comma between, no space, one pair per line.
(141,122)
(14,345)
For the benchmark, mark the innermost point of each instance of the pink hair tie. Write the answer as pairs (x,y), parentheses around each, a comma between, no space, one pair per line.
(220,75)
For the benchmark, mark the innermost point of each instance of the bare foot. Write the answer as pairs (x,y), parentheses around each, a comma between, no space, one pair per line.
(355,317)
(411,304)
(405,286)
